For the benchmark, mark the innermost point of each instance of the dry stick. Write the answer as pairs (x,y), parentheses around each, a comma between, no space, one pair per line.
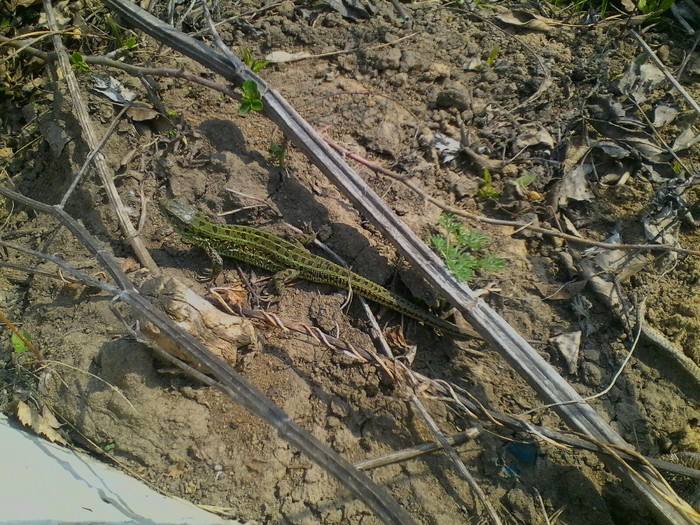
(392,370)
(536,371)
(229,381)
(128,68)
(416,451)
(499,222)
(364,356)
(92,154)
(106,175)
(452,454)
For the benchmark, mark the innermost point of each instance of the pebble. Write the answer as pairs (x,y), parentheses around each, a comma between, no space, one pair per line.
(390,60)
(453,98)
(437,71)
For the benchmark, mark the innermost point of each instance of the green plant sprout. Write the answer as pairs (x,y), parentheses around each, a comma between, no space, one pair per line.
(648,7)
(18,345)
(491,59)
(487,191)
(251,98)
(78,62)
(255,65)
(131,43)
(278,153)
(457,246)
(525,180)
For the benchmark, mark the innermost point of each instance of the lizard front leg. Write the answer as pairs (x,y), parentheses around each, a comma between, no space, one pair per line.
(217,263)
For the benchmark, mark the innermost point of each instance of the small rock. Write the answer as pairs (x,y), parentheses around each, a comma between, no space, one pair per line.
(399,79)
(592,374)
(453,98)
(465,187)
(286,9)
(411,60)
(390,59)
(437,71)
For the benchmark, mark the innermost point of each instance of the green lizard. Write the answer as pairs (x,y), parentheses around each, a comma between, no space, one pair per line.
(272,253)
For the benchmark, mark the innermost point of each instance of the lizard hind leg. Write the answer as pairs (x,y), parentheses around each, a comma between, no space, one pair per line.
(281,278)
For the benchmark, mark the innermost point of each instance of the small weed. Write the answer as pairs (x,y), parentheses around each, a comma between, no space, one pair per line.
(255,65)
(457,247)
(78,62)
(278,154)
(131,43)
(654,6)
(487,191)
(18,344)
(491,59)
(251,98)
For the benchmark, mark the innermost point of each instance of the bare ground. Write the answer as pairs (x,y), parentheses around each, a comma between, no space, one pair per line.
(384,100)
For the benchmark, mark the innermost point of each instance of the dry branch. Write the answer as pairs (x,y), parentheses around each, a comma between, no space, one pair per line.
(228,380)
(538,373)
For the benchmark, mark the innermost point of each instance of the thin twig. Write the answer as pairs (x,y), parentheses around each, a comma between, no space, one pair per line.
(91,155)
(129,68)
(25,341)
(499,222)
(452,455)
(106,175)
(228,380)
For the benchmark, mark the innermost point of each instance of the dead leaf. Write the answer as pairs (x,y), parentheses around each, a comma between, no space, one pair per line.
(574,186)
(640,79)
(44,424)
(141,113)
(526,20)
(664,115)
(568,346)
(12,5)
(685,140)
(176,471)
(111,88)
(279,57)
(233,295)
(533,135)
(129,265)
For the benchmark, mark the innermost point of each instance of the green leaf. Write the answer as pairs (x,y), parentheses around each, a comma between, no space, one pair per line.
(526,180)
(78,62)
(491,59)
(131,43)
(462,249)
(18,344)
(256,105)
(245,108)
(259,65)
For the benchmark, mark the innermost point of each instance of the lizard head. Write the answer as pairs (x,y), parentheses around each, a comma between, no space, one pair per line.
(179,212)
